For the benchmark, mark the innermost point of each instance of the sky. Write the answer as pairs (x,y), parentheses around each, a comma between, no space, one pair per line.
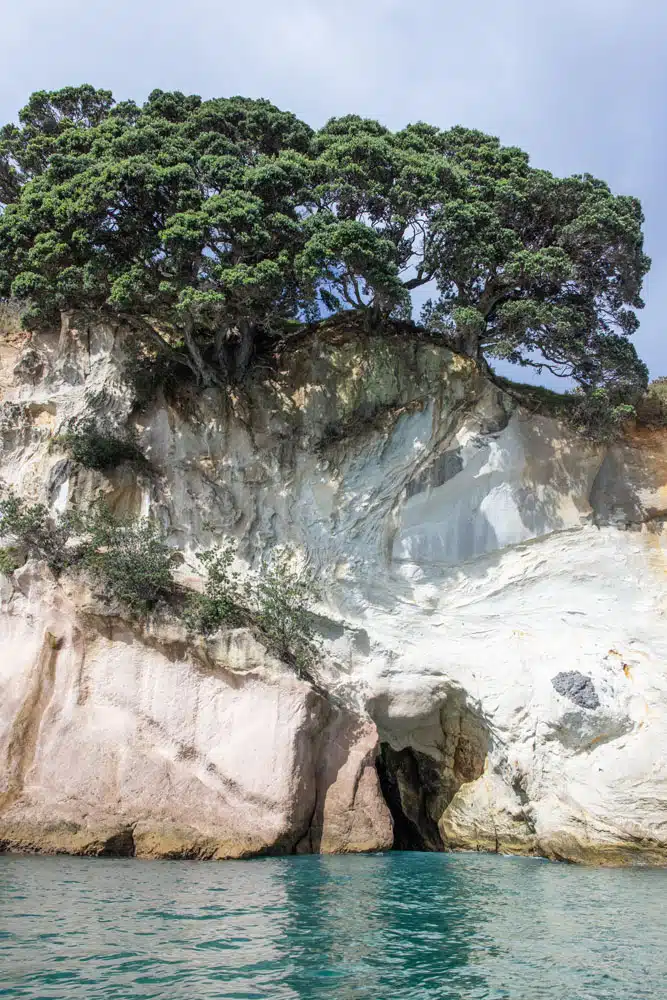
(579,84)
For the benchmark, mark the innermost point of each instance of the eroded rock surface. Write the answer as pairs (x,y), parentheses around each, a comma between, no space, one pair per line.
(493,616)
(125,743)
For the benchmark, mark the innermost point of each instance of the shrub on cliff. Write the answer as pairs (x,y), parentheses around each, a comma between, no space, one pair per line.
(36,531)
(224,601)
(208,226)
(277,602)
(598,415)
(98,447)
(652,407)
(129,561)
(10,559)
(127,558)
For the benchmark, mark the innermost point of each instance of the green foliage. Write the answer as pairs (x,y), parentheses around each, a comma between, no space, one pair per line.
(25,150)
(131,563)
(10,559)
(652,407)
(538,398)
(210,225)
(598,415)
(277,602)
(283,599)
(225,599)
(181,216)
(32,526)
(98,448)
(127,557)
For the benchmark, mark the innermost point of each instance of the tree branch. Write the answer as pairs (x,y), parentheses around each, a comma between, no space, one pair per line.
(418,281)
(205,373)
(143,325)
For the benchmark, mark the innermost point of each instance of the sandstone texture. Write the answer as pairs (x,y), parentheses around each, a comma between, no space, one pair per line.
(494,591)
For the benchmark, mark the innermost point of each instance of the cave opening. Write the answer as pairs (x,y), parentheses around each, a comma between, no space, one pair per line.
(408,780)
(419,787)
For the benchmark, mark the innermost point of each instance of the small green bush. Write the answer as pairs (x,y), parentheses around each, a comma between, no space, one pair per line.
(10,559)
(225,598)
(98,448)
(599,417)
(32,526)
(130,561)
(652,407)
(127,557)
(596,415)
(537,397)
(283,599)
(277,603)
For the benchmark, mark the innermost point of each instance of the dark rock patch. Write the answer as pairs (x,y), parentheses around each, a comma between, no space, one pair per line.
(577,687)
(119,845)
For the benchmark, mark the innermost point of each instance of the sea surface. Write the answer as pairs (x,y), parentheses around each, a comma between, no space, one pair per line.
(397,926)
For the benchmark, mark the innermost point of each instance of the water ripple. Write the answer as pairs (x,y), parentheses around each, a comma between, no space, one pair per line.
(383,927)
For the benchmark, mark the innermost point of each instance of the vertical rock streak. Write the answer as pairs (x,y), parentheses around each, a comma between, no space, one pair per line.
(24,732)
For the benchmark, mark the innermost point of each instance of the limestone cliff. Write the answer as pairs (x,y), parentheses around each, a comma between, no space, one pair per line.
(493,615)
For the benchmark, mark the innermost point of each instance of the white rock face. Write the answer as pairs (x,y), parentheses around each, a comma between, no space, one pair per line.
(493,605)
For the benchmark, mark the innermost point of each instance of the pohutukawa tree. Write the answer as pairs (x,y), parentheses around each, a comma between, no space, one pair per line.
(208,225)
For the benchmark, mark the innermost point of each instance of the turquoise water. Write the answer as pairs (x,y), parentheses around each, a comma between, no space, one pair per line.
(384,927)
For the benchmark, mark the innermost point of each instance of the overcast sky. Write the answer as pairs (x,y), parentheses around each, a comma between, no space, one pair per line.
(579,84)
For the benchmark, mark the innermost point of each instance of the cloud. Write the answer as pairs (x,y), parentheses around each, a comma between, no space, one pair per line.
(578,83)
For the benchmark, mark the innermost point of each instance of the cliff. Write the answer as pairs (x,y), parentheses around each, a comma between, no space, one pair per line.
(493,606)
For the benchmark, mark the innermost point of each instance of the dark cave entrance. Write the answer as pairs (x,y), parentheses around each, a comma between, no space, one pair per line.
(409,780)
(418,788)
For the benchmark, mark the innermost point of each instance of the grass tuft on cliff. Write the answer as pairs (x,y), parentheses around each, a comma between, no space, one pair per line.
(652,407)
(599,415)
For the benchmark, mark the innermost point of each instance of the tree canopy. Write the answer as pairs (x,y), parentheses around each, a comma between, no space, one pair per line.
(207,225)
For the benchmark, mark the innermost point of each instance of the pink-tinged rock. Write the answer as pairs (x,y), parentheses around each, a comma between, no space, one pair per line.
(112,741)
(350,814)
